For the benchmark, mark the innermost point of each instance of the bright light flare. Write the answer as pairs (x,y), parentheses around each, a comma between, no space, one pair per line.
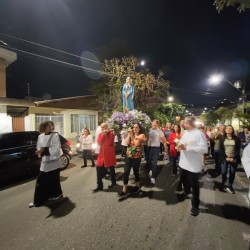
(215,79)
(170,98)
(94,145)
(142,62)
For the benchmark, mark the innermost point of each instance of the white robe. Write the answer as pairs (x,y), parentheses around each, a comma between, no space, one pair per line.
(196,146)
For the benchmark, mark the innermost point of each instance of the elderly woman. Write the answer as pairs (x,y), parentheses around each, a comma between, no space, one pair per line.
(106,157)
(134,140)
(48,185)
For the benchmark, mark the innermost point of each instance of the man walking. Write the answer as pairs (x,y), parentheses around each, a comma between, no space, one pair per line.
(193,145)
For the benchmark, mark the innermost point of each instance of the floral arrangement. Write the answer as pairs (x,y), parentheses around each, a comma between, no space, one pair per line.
(119,120)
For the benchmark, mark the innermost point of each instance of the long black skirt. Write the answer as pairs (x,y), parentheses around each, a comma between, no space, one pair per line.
(47,186)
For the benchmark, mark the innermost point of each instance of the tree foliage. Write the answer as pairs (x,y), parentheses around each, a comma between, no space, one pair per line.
(210,118)
(241,5)
(147,86)
(167,112)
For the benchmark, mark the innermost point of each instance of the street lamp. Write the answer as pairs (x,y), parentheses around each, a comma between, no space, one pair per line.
(142,63)
(217,78)
(170,98)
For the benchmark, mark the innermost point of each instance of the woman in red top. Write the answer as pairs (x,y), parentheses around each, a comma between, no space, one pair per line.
(173,139)
(106,157)
(134,140)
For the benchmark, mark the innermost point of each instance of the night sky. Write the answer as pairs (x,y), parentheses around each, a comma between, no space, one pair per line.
(188,37)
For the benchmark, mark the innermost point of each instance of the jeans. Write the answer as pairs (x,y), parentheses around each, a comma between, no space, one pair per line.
(131,163)
(153,157)
(100,173)
(232,169)
(216,160)
(87,152)
(190,180)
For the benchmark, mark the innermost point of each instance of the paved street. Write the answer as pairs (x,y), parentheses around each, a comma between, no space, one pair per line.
(155,219)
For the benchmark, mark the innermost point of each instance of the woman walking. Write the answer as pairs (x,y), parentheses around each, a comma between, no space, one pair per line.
(87,141)
(134,140)
(174,139)
(229,154)
(48,185)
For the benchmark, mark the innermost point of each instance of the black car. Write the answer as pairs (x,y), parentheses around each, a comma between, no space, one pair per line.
(18,157)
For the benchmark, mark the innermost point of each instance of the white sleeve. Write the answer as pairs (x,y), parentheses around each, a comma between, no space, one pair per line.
(246,160)
(200,146)
(38,144)
(55,146)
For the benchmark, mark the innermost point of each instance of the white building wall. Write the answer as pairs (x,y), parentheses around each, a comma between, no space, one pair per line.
(27,124)
(67,117)
(5,120)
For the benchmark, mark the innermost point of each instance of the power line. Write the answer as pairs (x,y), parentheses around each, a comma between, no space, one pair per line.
(59,62)
(47,47)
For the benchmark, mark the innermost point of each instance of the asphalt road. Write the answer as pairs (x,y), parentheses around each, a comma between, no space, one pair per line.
(155,219)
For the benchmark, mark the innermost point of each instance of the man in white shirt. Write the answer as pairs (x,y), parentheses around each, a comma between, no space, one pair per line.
(193,145)
(156,136)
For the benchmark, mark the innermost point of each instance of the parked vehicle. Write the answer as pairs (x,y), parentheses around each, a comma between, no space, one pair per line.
(18,157)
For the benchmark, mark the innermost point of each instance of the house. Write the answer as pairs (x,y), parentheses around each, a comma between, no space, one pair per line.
(70,115)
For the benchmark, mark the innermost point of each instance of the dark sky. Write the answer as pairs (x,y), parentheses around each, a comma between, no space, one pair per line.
(187,36)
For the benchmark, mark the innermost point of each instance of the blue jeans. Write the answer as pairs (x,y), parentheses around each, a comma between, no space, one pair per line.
(232,169)
(153,157)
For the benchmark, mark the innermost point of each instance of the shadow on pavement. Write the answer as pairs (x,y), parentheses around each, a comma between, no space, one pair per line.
(60,208)
(229,211)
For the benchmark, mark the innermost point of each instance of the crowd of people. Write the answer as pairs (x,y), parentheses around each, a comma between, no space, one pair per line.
(184,145)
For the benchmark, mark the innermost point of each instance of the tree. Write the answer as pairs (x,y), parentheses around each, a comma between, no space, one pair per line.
(169,112)
(241,5)
(225,114)
(244,118)
(209,118)
(147,86)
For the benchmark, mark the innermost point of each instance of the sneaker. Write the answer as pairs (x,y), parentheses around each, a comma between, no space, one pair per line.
(179,191)
(152,180)
(136,189)
(122,194)
(194,211)
(230,190)
(32,205)
(83,166)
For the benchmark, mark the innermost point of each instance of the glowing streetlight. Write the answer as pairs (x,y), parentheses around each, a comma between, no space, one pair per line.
(142,63)
(170,98)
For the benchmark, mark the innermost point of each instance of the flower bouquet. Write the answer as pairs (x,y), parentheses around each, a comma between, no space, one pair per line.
(119,121)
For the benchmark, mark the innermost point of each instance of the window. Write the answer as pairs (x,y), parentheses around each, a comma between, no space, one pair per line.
(12,141)
(57,119)
(78,122)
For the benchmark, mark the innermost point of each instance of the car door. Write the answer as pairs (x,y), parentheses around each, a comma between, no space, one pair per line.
(11,156)
(32,162)
(17,156)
